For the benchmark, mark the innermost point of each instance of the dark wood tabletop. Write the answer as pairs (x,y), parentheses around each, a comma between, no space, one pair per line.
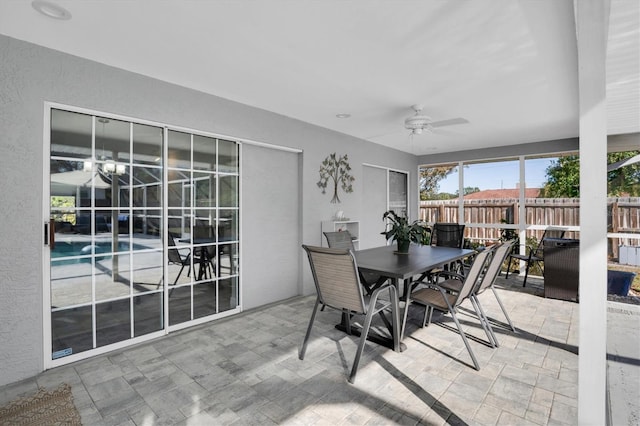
(387,262)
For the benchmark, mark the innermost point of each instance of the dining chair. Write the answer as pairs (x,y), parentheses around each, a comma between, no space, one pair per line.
(176,258)
(534,255)
(335,274)
(448,235)
(498,254)
(436,296)
(344,240)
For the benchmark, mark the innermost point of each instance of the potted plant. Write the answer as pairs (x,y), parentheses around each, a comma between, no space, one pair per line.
(404,232)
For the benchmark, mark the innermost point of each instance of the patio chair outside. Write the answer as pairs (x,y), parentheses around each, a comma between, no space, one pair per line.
(536,254)
(175,258)
(335,274)
(449,235)
(435,296)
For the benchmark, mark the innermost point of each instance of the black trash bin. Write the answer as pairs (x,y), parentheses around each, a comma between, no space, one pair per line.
(619,282)
(561,268)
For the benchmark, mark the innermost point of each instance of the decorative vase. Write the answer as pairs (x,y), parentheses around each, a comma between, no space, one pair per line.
(403,246)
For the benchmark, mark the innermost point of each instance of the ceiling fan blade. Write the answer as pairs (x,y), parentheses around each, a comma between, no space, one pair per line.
(449,122)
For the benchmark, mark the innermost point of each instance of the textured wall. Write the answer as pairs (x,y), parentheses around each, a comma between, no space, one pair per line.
(31,75)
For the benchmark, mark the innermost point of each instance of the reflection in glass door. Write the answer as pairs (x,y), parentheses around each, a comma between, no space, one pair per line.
(119,253)
(202,226)
(398,188)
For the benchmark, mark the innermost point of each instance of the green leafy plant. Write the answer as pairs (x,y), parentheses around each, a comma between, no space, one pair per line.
(404,232)
(336,169)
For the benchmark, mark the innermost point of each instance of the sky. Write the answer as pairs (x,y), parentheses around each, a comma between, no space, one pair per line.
(499,175)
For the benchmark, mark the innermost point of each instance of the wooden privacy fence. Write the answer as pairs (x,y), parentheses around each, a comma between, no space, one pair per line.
(623,216)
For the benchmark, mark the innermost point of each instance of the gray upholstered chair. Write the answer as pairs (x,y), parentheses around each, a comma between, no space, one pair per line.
(335,274)
(436,296)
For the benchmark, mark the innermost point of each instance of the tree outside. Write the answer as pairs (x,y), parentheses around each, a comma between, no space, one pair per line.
(563,177)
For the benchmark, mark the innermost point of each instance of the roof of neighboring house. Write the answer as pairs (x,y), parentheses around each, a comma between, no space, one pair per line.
(492,194)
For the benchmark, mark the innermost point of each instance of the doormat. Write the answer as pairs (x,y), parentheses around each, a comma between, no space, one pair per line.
(43,408)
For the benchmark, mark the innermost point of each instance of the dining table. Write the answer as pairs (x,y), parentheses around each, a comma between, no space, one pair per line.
(405,268)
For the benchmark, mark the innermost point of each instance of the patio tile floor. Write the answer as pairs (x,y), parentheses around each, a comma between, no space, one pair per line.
(245,370)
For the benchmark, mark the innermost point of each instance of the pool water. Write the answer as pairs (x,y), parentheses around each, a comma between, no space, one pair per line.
(84,248)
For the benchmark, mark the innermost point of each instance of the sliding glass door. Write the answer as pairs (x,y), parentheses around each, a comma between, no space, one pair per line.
(143,231)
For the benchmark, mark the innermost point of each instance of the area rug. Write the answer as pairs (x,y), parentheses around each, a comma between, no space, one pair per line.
(43,408)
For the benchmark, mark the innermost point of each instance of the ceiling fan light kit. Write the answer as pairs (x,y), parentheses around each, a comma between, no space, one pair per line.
(418,122)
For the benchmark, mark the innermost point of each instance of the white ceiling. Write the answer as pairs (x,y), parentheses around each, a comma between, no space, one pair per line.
(508,67)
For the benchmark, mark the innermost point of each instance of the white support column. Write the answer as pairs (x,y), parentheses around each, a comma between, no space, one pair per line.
(591,34)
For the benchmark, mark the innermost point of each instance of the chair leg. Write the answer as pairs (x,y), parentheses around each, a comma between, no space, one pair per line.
(464,339)
(303,349)
(526,274)
(427,313)
(508,267)
(484,322)
(407,303)
(178,277)
(363,339)
(504,311)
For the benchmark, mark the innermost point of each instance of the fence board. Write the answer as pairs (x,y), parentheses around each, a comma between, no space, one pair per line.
(623,215)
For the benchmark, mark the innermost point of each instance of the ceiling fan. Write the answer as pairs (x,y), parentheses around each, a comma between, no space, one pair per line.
(418,123)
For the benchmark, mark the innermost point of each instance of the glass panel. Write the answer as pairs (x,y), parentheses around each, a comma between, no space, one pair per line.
(553,190)
(180,223)
(147,187)
(204,153)
(205,218)
(113,275)
(179,150)
(112,140)
(70,281)
(228,297)
(147,222)
(205,261)
(147,271)
(179,305)
(179,188)
(228,191)
(180,263)
(228,225)
(438,193)
(68,179)
(228,259)
(63,214)
(227,156)
(397,193)
(70,134)
(204,299)
(147,314)
(205,189)
(113,322)
(71,331)
(491,193)
(147,144)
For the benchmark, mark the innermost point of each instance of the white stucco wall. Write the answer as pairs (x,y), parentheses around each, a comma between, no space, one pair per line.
(31,75)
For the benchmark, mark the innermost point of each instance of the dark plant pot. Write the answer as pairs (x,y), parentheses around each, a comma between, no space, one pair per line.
(403,246)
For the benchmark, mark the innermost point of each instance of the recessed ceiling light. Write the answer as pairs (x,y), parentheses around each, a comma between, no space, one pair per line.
(51,10)
(343,115)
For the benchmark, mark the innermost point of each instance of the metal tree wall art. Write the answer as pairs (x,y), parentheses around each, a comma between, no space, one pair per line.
(336,169)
